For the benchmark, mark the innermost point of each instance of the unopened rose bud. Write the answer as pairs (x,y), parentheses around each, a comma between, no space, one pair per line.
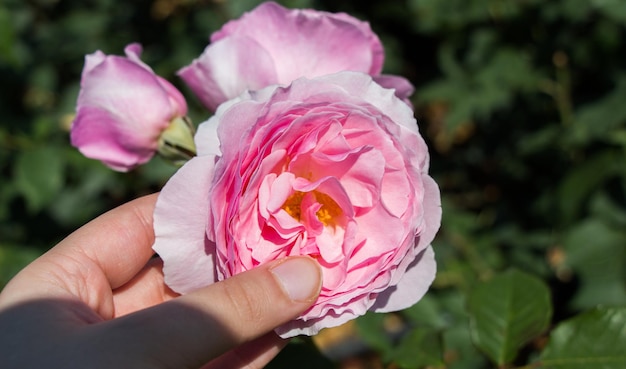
(123,109)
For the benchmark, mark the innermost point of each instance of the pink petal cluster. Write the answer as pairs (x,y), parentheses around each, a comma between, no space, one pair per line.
(122,109)
(331,167)
(275,45)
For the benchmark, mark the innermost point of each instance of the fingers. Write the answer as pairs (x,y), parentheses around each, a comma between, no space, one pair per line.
(100,256)
(119,241)
(146,289)
(191,330)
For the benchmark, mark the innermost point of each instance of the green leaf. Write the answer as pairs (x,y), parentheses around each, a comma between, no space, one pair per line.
(596,253)
(426,313)
(599,119)
(499,76)
(606,209)
(507,312)
(595,339)
(583,179)
(443,312)
(39,175)
(459,351)
(613,9)
(7,37)
(78,203)
(371,328)
(420,348)
(303,352)
(436,15)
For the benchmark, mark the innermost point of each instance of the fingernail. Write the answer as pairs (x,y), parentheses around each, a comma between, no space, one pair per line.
(300,277)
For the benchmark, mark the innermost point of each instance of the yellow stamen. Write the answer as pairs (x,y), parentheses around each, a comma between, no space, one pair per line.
(327,214)
(293,205)
(329,210)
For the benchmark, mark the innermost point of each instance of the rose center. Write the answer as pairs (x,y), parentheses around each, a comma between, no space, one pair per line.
(327,214)
(293,205)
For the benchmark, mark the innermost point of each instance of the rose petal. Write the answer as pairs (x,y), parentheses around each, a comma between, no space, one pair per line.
(130,92)
(206,139)
(284,45)
(402,87)
(395,192)
(432,212)
(308,43)
(94,137)
(363,86)
(224,70)
(413,284)
(186,193)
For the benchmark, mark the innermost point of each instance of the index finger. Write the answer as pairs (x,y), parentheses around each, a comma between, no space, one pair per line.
(192,329)
(100,256)
(119,241)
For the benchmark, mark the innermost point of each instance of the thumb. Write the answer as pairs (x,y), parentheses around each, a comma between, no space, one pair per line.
(193,329)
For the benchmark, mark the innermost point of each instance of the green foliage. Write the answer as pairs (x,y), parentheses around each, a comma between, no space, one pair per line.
(302,352)
(39,176)
(522,103)
(596,251)
(372,330)
(595,339)
(420,348)
(507,312)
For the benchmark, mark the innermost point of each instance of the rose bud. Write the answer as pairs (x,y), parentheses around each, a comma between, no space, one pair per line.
(126,113)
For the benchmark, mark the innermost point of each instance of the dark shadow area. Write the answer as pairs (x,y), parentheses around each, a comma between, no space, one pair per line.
(63,334)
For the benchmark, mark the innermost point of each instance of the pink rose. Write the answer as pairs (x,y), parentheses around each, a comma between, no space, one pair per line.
(273,45)
(122,109)
(332,167)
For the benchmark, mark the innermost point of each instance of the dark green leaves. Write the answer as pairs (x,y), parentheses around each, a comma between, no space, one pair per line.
(595,251)
(507,312)
(420,348)
(593,340)
(39,175)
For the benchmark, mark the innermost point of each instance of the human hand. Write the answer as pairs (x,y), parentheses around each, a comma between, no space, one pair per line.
(98,300)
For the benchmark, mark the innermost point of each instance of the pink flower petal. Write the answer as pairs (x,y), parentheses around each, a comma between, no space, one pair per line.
(432,212)
(184,194)
(129,92)
(309,43)
(396,194)
(417,279)
(224,70)
(363,86)
(285,44)
(207,142)
(93,135)
(402,87)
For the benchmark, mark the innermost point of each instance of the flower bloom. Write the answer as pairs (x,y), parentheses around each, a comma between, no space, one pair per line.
(274,45)
(123,108)
(332,167)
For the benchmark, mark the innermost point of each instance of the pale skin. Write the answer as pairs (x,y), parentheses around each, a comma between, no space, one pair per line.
(98,300)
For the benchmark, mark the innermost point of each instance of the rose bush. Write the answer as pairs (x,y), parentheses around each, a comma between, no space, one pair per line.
(332,167)
(274,45)
(123,108)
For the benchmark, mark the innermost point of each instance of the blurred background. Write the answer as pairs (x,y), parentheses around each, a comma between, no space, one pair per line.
(522,102)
